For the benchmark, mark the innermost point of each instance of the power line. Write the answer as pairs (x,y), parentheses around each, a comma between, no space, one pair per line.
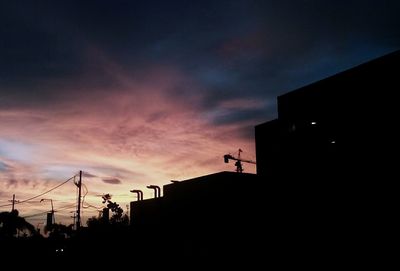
(56,210)
(28,216)
(48,191)
(71,205)
(91,206)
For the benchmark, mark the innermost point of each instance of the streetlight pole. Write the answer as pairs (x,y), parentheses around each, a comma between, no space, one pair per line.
(52,209)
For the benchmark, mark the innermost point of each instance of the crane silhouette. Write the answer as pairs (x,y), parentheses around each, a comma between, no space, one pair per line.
(238,164)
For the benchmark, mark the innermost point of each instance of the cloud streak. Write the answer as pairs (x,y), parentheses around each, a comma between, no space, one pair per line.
(112,181)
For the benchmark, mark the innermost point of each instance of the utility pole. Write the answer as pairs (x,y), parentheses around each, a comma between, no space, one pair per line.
(78,212)
(74,216)
(13,203)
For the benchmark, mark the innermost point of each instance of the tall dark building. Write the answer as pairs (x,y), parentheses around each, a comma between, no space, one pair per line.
(339,126)
(329,156)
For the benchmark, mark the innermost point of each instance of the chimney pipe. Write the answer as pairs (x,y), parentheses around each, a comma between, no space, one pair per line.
(157,190)
(139,194)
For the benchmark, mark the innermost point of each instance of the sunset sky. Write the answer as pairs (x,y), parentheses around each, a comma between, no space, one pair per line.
(143,92)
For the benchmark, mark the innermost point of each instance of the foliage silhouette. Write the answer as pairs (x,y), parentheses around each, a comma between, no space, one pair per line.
(59,231)
(117,211)
(11,223)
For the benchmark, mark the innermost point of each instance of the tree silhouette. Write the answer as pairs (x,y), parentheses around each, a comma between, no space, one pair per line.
(11,223)
(59,231)
(94,222)
(117,219)
(117,211)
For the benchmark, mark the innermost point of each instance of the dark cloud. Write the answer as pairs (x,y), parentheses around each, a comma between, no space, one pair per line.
(35,45)
(157,116)
(257,49)
(88,175)
(11,183)
(118,172)
(112,180)
(240,116)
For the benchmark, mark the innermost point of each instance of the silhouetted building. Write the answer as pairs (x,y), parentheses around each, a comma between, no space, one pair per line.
(203,216)
(328,155)
(197,199)
(147,213)
(338,126)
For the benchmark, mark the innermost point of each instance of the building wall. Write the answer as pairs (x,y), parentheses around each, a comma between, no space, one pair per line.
(330,128)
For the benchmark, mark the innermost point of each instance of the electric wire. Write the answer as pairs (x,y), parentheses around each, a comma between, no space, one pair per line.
(56,210)
(44,193)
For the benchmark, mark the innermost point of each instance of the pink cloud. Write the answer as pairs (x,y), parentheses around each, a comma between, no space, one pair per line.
(141,132)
